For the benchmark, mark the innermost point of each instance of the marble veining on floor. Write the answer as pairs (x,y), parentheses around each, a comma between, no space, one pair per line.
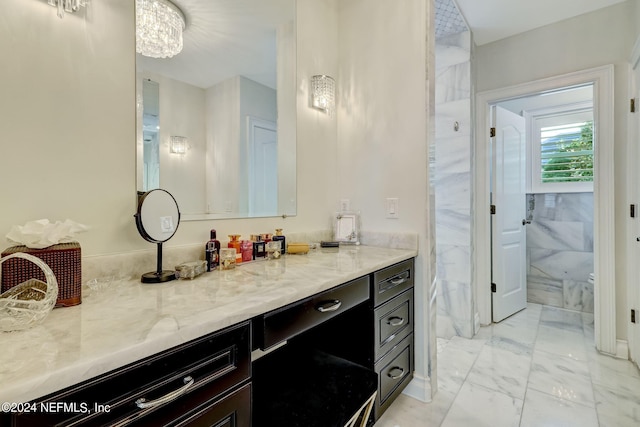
(536,368)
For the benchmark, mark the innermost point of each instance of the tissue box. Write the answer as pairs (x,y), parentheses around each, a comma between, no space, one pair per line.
(64,260)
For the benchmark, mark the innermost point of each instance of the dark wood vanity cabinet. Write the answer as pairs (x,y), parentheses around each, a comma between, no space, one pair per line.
(363,328)
(205,382)
(376,334)
(392,290)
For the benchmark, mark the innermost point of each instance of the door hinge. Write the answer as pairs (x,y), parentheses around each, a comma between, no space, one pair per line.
(632,210)
(632,105)
(493,209)
(492,132)
(633,316)
(493,287)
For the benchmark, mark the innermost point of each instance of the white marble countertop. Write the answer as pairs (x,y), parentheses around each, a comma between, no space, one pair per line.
(124,321)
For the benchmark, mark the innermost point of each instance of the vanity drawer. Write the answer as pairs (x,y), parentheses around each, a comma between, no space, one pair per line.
(289,321)
(392,281)
(393,322)
(203,370)
(395,371)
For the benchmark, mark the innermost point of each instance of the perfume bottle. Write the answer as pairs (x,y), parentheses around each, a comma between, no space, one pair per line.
(280,238)
(212,252)
(235,244)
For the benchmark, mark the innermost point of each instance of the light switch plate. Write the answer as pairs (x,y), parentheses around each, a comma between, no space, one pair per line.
(393,208)
(345,205)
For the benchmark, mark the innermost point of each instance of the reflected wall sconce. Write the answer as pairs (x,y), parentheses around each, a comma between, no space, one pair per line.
(68,6)
(323,93)
(178,145)
(159,27)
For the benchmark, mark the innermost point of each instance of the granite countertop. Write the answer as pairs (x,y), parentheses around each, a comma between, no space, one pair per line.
(122,321)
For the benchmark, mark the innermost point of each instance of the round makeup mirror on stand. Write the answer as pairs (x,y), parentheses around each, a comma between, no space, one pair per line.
(157,220)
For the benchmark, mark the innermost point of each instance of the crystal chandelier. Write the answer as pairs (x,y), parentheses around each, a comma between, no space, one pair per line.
(68,6)
(159,26)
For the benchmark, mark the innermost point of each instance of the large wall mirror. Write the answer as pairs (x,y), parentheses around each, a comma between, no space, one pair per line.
(217,121)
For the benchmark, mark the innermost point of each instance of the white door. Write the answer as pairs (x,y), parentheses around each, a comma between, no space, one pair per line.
(634,245)
(263,168)
(508,222)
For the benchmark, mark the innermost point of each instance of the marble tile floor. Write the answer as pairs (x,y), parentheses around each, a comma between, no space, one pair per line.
(537,368)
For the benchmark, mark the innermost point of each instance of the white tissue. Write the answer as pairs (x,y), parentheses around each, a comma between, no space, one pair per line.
(42,233)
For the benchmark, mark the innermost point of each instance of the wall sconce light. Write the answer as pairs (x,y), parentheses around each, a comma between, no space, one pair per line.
(178,145)
(68,6)
(323,93)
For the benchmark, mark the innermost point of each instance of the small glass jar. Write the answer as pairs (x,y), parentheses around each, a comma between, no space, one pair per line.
(227,258)
(246,247)
(274,250)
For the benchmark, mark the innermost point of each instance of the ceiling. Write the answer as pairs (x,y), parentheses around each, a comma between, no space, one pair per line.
(492,20)
(225,38)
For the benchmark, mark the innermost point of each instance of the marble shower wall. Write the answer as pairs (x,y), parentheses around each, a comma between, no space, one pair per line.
(560,250)
(453,186)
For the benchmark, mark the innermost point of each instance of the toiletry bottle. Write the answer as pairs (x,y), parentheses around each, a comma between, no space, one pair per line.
(279,237)
(215,256)
(209,255)
(235,244)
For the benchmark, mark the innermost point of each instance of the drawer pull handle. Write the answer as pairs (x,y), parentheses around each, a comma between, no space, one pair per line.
(398,281)
(142,402)
(393,373)
(395,321)
(394,281)
(329,306)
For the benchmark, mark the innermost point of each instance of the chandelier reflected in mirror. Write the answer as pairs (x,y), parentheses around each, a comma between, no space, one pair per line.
(159,26)
(68,6)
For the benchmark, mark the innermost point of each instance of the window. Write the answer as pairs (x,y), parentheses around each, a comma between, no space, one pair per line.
(561,150)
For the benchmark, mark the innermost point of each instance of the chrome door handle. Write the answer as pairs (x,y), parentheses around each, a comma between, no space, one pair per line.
(329,306)
(142,403)
(395,376)
(395,321)
(526,221)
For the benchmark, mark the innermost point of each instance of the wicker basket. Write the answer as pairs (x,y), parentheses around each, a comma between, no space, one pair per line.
(64,259)
(28,303)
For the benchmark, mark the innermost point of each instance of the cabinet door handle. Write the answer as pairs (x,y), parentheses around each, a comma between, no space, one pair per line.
(142,402)
(395,376)
(329,306)
(395,321)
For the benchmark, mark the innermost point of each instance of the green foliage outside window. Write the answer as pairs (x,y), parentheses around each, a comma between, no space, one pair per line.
(569,158)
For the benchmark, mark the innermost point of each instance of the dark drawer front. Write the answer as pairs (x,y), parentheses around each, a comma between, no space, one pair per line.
(392,281)
(395,371)
(218,361)
(287,322)
(394,321)
(233,410)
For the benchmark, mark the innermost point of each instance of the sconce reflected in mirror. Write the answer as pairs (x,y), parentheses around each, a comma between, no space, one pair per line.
(323,93)
(178,145)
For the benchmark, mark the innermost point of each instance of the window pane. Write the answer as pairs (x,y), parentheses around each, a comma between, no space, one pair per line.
(566,152)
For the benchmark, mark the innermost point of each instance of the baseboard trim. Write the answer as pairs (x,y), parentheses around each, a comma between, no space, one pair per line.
(419,388)
(622,349)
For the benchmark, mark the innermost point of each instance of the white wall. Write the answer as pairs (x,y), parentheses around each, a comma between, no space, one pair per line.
(181,113)
(587,41)
(67,120)
(69,132)
(382,110)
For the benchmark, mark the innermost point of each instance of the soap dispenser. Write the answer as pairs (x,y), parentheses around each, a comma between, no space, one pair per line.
(212,252)
(279,237)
